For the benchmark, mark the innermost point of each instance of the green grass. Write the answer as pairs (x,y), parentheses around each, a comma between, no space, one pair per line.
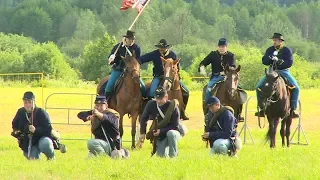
(255,161)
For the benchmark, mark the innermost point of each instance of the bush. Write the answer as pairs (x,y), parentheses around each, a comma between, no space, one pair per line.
(48,59)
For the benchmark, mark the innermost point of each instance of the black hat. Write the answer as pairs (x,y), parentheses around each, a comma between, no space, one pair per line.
(212,100)
(160,92)
(28,96)
(277,36)
(162,44)
(130,34)
(100,100)
(222,42)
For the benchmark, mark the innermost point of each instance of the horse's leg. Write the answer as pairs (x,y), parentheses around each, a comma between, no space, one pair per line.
(288,125)
(204,107)
(283,131)
(134,118)
(270,131)
(276,122)
(121,125)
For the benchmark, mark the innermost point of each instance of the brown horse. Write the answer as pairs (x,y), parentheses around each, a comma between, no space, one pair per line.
(227,91)
(128,99)
(171,81)
(277,106)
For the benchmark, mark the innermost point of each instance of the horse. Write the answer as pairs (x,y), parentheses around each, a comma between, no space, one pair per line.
(227,91)
(171,81)
(277,106)
(128,99)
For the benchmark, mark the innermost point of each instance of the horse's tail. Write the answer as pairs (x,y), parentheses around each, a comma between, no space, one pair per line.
(268,135)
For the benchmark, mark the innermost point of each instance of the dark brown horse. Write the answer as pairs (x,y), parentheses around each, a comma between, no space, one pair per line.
(277,106)
(171,81)
(227,91)
(128,99)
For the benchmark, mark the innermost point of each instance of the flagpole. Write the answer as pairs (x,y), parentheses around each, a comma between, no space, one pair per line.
(134,21)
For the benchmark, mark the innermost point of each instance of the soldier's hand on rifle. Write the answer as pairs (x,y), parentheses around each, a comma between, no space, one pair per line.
(142,137)
(205,135)
(32,128)
(95,112)
(275,58)
(111,58)
(156,133)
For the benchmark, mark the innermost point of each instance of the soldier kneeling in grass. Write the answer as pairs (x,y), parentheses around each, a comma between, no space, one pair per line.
(220,129)
(32,127)
(105,128)
(167,129)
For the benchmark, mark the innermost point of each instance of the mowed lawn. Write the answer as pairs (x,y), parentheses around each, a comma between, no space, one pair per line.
(255,161)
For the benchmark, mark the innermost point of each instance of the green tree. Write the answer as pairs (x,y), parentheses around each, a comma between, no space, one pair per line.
(33,22)
(95,58)
(48,59)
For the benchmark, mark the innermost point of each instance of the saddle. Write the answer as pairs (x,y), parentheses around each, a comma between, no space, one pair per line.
(116,87)
(286,81)
(242,94)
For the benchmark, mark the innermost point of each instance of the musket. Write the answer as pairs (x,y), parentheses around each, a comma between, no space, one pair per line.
(154,139)
(30,134)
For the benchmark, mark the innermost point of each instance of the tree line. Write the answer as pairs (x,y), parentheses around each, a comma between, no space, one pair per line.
(78,34)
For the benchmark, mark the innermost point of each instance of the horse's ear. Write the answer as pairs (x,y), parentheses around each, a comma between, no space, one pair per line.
(176,61)
(266,71)
(163,59)
(238,68)
(227,67)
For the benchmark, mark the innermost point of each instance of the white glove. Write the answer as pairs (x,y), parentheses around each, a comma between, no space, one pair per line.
(275,58)
(203,71)
(111,58)
(275,53)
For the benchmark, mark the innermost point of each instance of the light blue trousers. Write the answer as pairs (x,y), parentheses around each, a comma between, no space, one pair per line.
(168,147)
(44,146)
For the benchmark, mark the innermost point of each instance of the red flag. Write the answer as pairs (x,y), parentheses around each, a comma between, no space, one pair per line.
(138,4)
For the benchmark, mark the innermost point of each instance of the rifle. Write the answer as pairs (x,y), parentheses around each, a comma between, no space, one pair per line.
(30,134)
(154,139)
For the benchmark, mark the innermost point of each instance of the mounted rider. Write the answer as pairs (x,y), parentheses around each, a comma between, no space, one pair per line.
(127,47)
(218,60)
(282,56)
(158,72)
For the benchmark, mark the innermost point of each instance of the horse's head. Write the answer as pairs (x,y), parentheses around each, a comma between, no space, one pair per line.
(271,84)
(232,80)
(132,67)
(170,67)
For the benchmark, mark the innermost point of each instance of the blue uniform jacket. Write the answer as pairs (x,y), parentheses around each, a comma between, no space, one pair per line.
(110,125)
(151,111)
(226,129)
(154,56)
(118,63)
(218,62)
(284,54)
(41,122)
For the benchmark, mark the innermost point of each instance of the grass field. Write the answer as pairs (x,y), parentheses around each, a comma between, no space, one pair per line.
(255,161)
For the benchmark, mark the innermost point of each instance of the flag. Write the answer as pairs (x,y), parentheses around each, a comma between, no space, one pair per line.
(137,4)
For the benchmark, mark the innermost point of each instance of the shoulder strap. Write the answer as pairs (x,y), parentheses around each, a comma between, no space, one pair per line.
(168,113)
(215,117)
(109,110)
(160,111)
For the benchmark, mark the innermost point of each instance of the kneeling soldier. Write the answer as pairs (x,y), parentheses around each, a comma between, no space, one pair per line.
(32,127)
(166,116)
(220,129)
(105,128)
